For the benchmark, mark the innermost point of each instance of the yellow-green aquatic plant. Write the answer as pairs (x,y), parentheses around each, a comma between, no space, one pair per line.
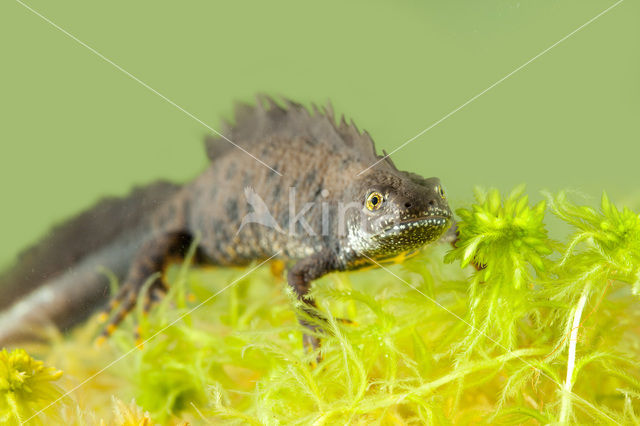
(507,240)
(26,386)
(604,249)
(546,332)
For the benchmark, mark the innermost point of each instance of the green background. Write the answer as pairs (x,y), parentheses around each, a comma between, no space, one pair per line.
(74,128)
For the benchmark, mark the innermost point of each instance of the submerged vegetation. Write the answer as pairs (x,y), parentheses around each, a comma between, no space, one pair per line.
(542,331)
(26,386)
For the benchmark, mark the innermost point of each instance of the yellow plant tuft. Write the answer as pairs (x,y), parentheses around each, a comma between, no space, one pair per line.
(26,386)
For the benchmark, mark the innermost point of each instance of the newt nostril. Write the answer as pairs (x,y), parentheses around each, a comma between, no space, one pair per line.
(432,203)
(407,205)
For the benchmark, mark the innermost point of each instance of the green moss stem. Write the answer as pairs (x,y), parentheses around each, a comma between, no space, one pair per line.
(427,388)
(565,410)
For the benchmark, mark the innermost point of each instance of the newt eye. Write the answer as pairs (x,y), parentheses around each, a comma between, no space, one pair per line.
(440,191)
(374,200)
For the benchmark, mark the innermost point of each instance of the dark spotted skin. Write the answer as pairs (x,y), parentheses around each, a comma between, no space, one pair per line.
(318,162)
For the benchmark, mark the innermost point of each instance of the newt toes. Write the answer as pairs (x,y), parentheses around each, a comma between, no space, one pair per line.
(452,236)
(311,207)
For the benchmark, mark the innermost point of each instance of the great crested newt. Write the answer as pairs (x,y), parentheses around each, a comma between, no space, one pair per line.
(310,206)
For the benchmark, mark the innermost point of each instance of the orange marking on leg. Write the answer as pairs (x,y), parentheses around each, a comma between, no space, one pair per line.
(110,329)
(103,317)
(119,317)
(347,321)
(277,268)
(100,341)
(207,267)
(138,337)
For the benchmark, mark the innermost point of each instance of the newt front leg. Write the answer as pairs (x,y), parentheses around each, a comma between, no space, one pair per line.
(300,278)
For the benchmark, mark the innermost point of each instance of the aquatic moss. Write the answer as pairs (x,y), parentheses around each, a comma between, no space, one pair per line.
(544,332)
(27,387)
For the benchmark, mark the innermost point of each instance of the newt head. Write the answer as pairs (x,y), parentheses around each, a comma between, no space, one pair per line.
(397,212)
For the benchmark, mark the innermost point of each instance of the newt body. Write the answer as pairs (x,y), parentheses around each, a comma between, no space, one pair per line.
(318,215)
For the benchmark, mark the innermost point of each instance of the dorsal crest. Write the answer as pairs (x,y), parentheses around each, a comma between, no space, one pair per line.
(268,120)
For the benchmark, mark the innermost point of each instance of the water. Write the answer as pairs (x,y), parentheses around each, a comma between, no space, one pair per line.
(75,128)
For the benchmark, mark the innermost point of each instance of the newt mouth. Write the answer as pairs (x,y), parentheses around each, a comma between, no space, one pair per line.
(431,221)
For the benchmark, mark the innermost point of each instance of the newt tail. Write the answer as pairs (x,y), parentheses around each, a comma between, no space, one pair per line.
(58,281)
